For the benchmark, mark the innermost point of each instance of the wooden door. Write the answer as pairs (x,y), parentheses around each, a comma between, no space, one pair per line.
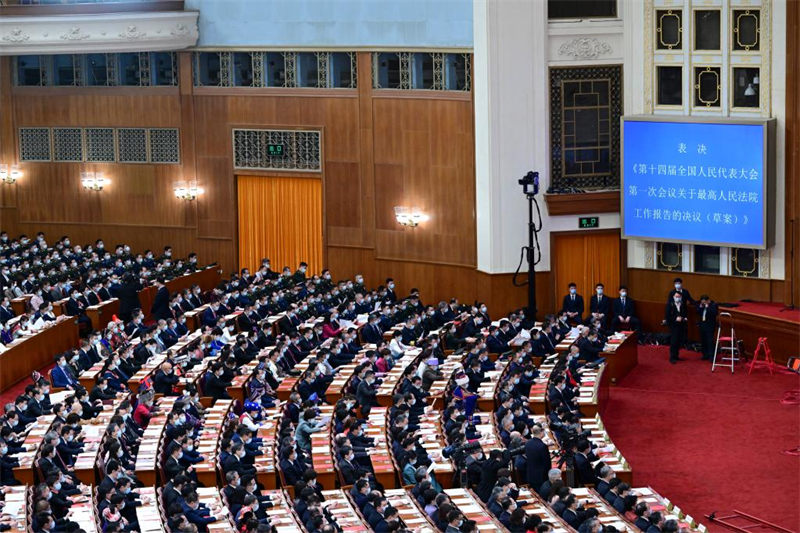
(586,258)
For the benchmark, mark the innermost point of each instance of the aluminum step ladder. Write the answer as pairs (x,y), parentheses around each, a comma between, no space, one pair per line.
(726,349)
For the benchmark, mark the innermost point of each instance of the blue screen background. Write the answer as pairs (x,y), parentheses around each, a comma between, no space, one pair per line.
(694,182)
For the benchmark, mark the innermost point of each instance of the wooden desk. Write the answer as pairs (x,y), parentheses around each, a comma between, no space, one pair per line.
(534,505)
(588,393)
(410,512)
(322,450)
(208,441)
(537,397)
(17,506)
(431,437)
(148,457)
(621,358)
(211,497)
(607,451)
(394,377)
(473,509)
(380,454)
(24,473)
(94,430)
(281,514)
(33,352)
(487,391)
(344,512)
(605,513)
(101,314)
(83,511)
(668,509)
(267,464)
(147,514)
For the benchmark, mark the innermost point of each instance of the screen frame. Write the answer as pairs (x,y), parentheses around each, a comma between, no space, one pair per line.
(768,183)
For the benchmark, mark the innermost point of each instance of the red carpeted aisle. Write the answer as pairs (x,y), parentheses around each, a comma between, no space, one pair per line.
(709,442)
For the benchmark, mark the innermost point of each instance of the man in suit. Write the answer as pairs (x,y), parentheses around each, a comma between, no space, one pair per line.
(599,306)
(6,312)
(680,289)
(165,380)
(366,394)
(583,465)
(573,304)
(494,342)
(676,317)
(707,311)
(625,312)
(372,332)
(62,375)
(537,459)
(160,307)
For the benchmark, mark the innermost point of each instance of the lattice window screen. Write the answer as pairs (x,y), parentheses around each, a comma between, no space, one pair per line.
(300,150)
(165,146)
(67,144)
(100,145)
(34,144)
(132,145)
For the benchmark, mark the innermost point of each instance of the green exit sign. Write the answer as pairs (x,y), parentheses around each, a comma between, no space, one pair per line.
(275,149)
(588,222)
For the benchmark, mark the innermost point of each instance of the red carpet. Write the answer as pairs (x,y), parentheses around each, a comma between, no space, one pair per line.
(769,309)
(19,388)
(709,442)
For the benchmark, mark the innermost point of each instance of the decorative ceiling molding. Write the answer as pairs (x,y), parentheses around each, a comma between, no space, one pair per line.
(584,48)
(106,33)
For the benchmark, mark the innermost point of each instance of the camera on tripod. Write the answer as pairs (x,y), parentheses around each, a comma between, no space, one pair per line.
(458,453)
(530,183)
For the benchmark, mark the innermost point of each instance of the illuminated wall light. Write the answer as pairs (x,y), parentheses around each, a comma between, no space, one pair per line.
(10,173)
(409,217)
(188,191)
(93,181)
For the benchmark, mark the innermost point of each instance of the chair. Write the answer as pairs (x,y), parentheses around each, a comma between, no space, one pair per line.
(726,343)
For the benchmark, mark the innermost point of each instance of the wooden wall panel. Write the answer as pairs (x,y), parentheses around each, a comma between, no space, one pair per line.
(586,258)
(792,144)
(654,285)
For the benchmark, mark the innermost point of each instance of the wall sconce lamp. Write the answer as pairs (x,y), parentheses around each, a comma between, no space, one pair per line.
(10,173)
(93,181)
(187,191)
(409,217)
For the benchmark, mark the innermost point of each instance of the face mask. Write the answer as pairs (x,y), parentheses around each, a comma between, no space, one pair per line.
(677,286)
(572,291)
(623,294)
(599,291)
(57,485)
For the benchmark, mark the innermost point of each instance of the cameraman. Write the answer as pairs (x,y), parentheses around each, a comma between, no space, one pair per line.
(497,459)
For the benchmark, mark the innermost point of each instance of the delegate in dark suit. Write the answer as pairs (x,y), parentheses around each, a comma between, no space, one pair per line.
(600,304)
(538,462)
(160,307)
(625,308)
(707,312)
(573,303)
(675,315)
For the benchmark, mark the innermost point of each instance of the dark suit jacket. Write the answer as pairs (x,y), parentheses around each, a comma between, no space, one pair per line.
(600,305)
(672,313)
(538,462)
(628,309)
(583,469)
(573,306)
(160,307)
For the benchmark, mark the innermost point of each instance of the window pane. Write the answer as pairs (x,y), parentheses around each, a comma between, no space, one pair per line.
(746,29)
(706,29)
(706,259)
(64,70)
(670,86)
(744,262)
(388,70)
(29,70)
(341,70)
(96,73)
(164,68)
(422,77)
(308,72)
(456,72)
(706,86)
(669,256)
(669,29)
(128,69)
(746,82)
(581,8)
(208,66)
(242,69)
(276,70)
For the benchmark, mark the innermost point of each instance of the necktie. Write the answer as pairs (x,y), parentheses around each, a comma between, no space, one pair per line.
(704,313)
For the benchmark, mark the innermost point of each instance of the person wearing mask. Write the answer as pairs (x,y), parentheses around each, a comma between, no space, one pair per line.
(676,316)
(680,289)
(572,305)
(625,312)
(599,306)
(707,311)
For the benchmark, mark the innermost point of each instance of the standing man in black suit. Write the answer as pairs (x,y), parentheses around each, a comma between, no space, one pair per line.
(538,461)
(624,312)
(675,317)
(680,289)
(599,306)
(573,304)
(160,307)
(707,311)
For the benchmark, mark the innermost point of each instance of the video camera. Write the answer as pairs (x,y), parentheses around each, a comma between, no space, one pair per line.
(459,452)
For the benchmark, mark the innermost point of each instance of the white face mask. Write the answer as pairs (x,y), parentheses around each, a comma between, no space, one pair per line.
(623,294)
